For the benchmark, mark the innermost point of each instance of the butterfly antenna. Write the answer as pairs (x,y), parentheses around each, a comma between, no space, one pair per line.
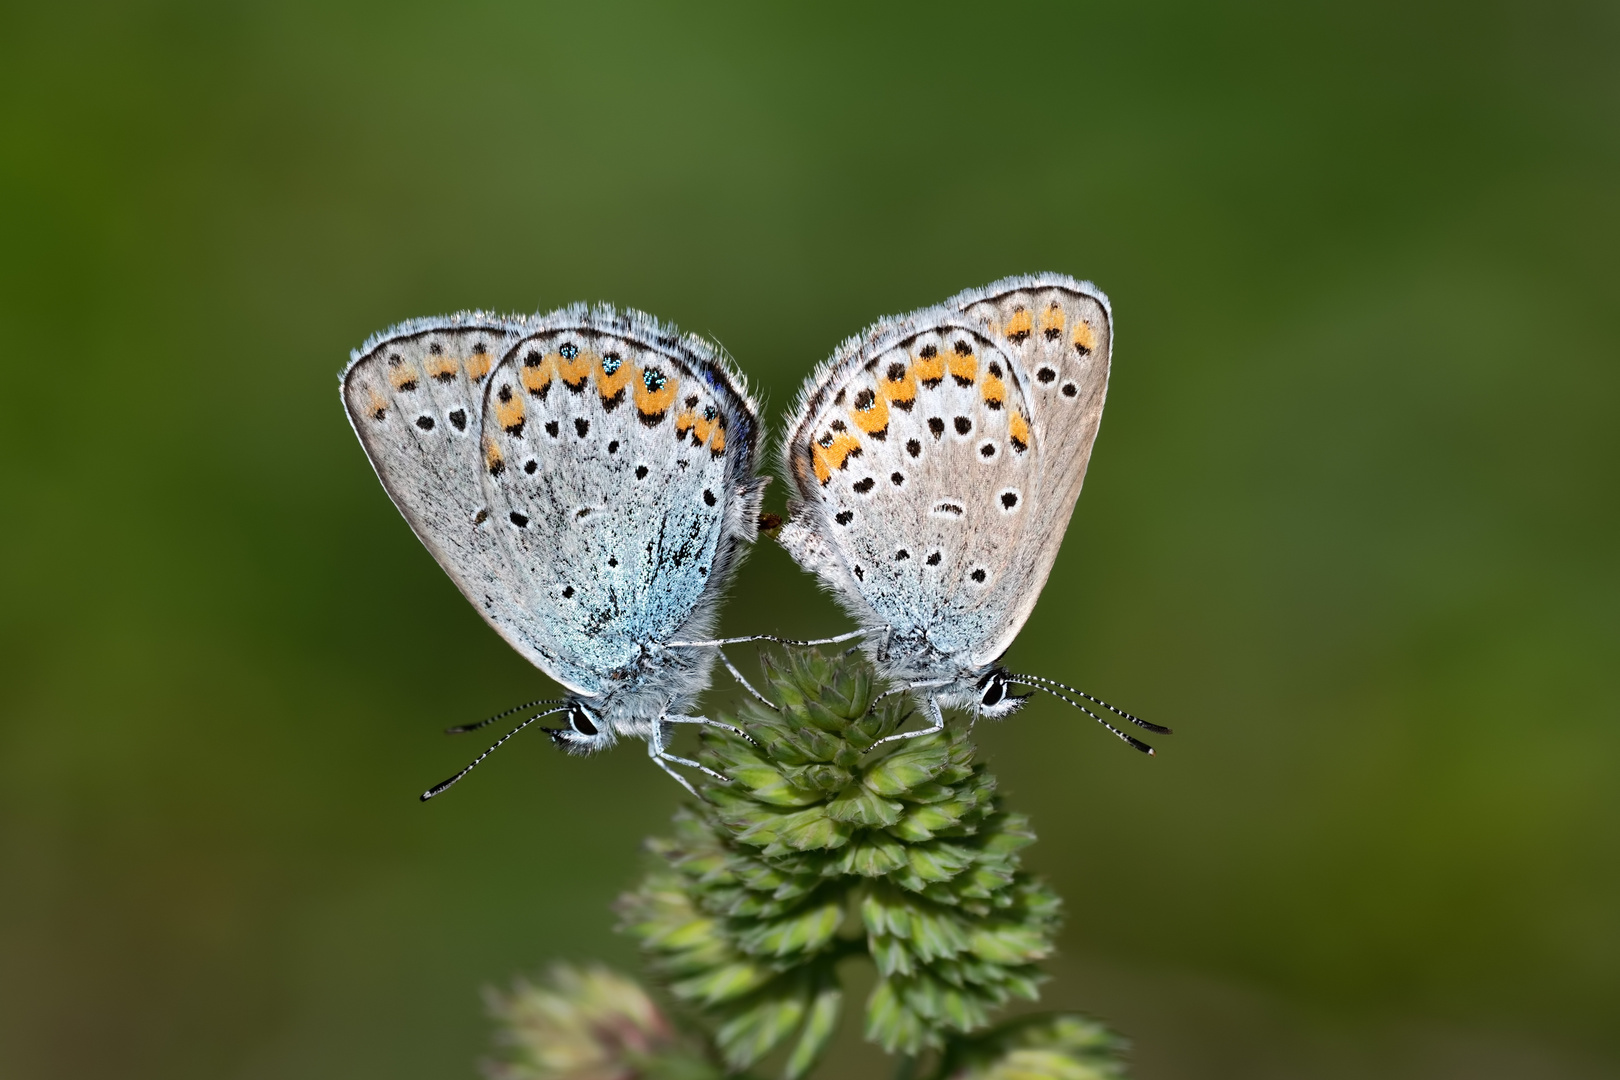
(1133,740)
(462,729)
(1031,680)
(437,788)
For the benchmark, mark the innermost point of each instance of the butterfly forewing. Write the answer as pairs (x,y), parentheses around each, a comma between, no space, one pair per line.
(415,399)
(1060,332)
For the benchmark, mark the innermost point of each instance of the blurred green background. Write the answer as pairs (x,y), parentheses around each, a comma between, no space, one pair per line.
(1350,526)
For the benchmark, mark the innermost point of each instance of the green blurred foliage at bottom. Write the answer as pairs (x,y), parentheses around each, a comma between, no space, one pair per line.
(1349,528)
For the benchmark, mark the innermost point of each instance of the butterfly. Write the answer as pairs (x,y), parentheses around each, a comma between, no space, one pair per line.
(587,479)
(935,460)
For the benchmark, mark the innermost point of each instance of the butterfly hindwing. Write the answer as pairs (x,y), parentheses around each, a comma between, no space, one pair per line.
(617,469)
(917,472)
(415,397)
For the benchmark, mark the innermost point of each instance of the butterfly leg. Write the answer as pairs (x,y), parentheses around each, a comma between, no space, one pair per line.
(664,754)
(663,762)
(710,723)
(717,642)
(667,761)
(934,714)
(883,649)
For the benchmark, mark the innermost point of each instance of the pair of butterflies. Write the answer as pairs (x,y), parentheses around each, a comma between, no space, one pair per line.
(587,478)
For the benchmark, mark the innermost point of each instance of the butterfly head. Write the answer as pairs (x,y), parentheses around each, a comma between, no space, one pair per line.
(996,699)
(585,733)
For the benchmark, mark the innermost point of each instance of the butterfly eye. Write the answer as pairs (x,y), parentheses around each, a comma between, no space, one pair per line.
(994,692)
(581,722)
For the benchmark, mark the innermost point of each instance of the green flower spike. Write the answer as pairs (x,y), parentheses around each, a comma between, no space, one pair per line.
(822,848)
(590,1024)
(1038,1048)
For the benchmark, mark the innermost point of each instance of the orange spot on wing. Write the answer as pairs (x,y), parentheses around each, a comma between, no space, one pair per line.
(717,441)
(492,456)
(1052,321)
(834,455)
(478,365)
(1018,431)
(1018,327)
(875,417)
(964,367)
(538,377)
(574,372)
(379,407)
(929,369)
(702,429)
(995,391)
(652,402)
(609,385)
(441,367)
(903,389)
(684,422)
(1085,336)
(403,377)
(509,413)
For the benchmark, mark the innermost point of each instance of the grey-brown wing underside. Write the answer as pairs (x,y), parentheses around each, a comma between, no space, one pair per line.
(618,470)
(919,479)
